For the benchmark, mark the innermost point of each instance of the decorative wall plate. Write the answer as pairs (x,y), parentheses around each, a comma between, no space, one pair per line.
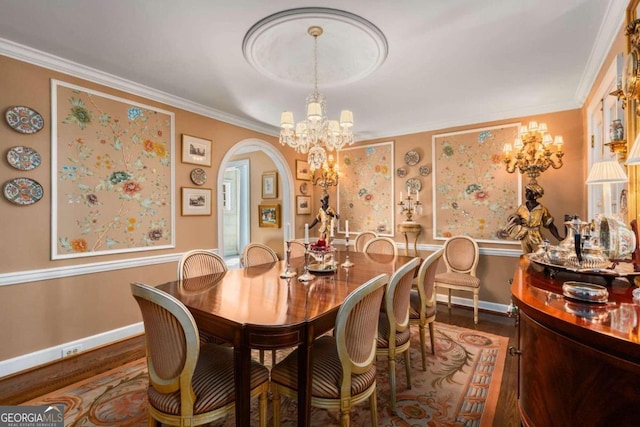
(24,119)
(412,158)
(23,158)
(425,170)
(23,191)
(198,176)
(304,188)
(414,185)
(402,172)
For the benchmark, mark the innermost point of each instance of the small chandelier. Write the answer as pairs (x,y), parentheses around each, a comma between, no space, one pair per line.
(327,176)
(316,134)
(533,153)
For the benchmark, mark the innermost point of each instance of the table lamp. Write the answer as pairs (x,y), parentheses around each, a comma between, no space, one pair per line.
(606,173)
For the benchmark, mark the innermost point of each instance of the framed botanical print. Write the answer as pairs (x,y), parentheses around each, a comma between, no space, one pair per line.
(269,216)
(270,185)
(303,205)
(196,150)
(196,201)
(302,170)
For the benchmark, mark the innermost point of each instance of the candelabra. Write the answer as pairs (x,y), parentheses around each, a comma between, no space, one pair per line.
(288,272)
(533,153)
(410,207)
(327,176)
(306,277)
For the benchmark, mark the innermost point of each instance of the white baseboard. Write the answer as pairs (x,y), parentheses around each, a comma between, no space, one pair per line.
(26,361)
(468,302)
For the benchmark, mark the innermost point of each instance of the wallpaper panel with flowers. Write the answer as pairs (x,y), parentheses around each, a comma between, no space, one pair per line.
(473,192)
(112,166)
(365,191)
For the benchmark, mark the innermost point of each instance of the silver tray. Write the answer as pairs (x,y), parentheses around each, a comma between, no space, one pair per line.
(623,270)
(583,291)
(319,268)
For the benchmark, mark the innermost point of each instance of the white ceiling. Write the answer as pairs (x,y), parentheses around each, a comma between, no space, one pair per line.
(450,62)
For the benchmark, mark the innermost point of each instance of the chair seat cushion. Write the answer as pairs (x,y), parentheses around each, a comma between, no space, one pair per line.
(213,382)
(326,371)
(414,307)
(402,337)
(457,279)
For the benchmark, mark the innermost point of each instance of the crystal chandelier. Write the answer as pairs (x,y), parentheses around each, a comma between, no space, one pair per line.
(533,153)
(316,134)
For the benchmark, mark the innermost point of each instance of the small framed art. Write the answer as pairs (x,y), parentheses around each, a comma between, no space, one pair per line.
(269,216)
(196,201)
(303,205)
(196,150)
(270,185)
(302,170)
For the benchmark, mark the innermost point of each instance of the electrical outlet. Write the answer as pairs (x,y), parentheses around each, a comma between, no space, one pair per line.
(71,350)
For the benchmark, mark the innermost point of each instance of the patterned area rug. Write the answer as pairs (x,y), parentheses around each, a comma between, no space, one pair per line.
(460,388)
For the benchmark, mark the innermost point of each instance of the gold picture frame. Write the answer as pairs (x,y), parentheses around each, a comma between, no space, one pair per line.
(303,205)
(196,151)
(270,185)
(269,216)
(302,170)
(196,201)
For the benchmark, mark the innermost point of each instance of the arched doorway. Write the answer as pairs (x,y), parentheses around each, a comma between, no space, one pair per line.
(284,172)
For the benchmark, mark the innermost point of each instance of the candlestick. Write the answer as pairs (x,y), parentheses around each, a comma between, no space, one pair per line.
(288,272)
(347,262)
(306,277)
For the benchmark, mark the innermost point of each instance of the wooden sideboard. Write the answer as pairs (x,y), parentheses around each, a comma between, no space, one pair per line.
(576,367)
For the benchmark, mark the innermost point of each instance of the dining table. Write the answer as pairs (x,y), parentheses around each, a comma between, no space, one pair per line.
(254,308)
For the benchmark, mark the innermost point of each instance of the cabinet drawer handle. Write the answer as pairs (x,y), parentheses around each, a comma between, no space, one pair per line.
(514,351)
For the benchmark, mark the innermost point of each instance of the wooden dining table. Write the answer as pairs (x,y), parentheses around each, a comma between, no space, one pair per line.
(253,308)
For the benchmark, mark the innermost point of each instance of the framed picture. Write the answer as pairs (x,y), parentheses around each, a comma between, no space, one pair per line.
(303,205)
(302,170)
(196,201)
(270,185)
(196,150)
(269,216)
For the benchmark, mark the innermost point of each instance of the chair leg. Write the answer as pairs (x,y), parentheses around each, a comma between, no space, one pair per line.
(392,381)
(475,308)
(432,335)
(449,304)
(152,422)
(373,405)
(407,365)
(262,357)
(276,404)
(345,419)
(423,348)
(273,358)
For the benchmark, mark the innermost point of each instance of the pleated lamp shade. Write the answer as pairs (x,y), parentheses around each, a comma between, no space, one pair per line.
(606,172)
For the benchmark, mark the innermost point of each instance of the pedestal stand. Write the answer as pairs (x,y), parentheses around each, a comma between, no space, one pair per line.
(347,263)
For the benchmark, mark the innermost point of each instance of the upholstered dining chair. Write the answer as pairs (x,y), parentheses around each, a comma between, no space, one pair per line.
(344,369)
(189,383)
(297,249)
(461,256)
(195,264)
(362,239)
(381,245)
(422,305)
(200,262)
(394,334)
(256,254)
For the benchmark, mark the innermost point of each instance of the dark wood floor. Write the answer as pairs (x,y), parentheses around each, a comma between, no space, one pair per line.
(507,409)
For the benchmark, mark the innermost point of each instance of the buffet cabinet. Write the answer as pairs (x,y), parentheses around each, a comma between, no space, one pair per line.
(574,368)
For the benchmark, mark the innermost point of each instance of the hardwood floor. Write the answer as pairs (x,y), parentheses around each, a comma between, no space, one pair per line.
(507,409)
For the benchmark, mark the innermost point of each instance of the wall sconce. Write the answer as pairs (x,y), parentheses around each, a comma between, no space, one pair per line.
(326,176)
(533,153)
(606,173)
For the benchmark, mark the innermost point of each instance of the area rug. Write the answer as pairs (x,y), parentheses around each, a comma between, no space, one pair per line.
(460,388)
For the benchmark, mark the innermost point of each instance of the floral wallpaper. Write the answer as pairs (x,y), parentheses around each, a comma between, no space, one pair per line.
(365,190)
(113,174)
(473,192)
